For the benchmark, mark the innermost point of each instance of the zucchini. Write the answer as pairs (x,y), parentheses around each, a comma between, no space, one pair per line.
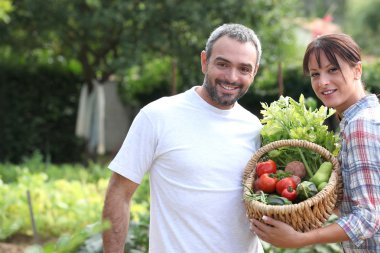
(277,200)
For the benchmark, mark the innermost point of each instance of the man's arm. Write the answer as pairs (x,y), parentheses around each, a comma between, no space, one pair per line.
(117,211)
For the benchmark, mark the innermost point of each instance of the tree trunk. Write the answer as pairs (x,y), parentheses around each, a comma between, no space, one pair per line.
(280,80)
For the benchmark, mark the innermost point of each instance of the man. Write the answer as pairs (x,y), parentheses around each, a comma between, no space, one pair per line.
(195,145)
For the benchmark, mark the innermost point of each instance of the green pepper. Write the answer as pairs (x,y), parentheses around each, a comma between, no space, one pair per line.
(306,190)
(323,173)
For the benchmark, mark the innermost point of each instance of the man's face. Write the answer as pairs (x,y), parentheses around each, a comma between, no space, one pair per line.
(229,72)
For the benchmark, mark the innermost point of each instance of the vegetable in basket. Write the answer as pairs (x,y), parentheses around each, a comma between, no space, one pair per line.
(289,119)
(267,183)
(297,168)
(284,184)
(290,193)
(277,200)
(268,166)
(323,174)
(306,189)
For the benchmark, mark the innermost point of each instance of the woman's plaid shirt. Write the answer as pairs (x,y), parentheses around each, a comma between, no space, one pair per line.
(360,164)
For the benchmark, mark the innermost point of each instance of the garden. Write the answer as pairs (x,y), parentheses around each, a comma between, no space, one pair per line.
(52,181)
(66,202)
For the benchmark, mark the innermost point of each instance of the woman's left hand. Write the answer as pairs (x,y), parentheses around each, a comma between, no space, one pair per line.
(277,233)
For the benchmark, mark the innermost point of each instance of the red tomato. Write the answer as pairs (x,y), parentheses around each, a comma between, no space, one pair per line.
(256,186)
(266,167)
(284,184)
(289,193)
(267,183)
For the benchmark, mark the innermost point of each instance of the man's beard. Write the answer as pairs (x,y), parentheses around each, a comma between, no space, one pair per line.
(225,99)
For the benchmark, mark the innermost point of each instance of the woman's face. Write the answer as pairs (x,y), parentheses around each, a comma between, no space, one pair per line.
(336,88)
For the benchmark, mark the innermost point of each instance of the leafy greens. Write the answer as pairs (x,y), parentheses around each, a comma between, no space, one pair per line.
(289,119)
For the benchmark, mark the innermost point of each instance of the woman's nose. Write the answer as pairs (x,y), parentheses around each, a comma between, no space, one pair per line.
(324,79)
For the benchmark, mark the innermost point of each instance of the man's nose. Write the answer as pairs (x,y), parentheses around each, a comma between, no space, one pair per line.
(232,75)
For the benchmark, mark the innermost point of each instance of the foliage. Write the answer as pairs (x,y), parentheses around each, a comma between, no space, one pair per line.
(59,205)
(35,164)
(65,199)
(103,39)
(147,82)
(71,243)
(265,87)
(5,8)
(371,77)
(106,37)
(365,26)
(288,119)
(320,8)
(38,112)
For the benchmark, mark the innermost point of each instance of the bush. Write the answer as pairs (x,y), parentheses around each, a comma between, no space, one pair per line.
(38,112)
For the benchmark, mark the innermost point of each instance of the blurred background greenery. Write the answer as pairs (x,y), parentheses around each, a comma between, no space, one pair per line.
(51,50)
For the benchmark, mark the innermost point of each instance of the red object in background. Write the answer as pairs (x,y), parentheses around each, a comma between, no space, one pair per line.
(320,26)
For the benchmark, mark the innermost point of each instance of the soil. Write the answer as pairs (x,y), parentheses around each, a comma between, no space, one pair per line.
(11,248)
(16,244)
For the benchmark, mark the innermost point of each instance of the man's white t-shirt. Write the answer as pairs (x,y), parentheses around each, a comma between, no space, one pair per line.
(195,154)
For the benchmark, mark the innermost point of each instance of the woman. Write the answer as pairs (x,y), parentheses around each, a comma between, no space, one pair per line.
(334,64)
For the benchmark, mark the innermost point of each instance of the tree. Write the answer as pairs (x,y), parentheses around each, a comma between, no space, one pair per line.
(362,22)
(106,36)
(5,8)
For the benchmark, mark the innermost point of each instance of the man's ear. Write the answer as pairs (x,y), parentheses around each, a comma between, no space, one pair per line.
(204,61)
(256,69)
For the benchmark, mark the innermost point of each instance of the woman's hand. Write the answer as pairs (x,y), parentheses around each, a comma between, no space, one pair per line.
(277,233)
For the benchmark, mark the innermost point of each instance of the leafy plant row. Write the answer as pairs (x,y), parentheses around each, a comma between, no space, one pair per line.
(67,202)
(58,206)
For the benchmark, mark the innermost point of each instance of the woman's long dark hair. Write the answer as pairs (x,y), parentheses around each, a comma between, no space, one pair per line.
(332,45)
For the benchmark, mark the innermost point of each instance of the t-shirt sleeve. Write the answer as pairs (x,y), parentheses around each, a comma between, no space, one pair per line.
(136,155)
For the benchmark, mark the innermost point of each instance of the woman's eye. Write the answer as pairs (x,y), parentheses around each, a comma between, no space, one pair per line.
(314,74)
(333,69)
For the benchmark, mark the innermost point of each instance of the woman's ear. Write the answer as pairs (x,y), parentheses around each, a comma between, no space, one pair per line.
(358,71)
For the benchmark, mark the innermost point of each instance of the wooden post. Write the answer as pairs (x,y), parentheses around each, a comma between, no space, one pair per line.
(35,234)
(174,77)
(280,80)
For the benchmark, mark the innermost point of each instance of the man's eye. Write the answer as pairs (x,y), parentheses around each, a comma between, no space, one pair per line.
(245,70)
(221,64)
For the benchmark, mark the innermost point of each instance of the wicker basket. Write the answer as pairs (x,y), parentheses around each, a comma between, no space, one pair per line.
(308,214)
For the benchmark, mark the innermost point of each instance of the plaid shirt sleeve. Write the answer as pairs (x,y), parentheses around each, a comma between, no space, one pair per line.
(360,163)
